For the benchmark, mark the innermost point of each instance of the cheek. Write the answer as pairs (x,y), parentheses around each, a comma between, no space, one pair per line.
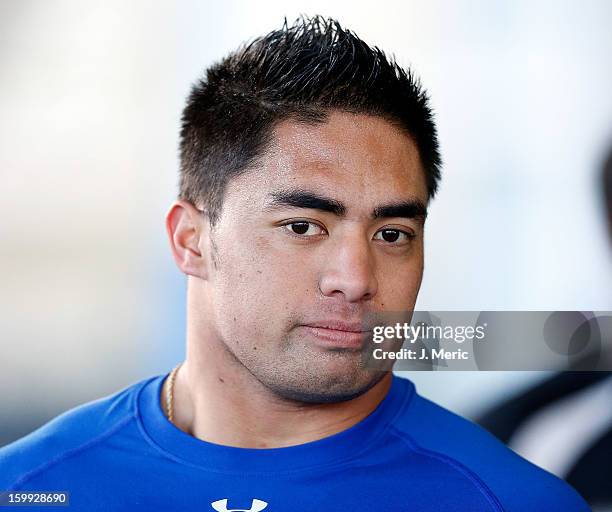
(399,284)
(257,292)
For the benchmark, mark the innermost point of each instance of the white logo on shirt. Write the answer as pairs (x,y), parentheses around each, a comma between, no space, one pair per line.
(221,506)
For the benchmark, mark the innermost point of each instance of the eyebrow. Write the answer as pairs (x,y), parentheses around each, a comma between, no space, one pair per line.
(301,198)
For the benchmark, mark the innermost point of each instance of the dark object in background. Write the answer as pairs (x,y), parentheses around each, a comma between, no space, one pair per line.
(590,471)
(593,472)
(504,419)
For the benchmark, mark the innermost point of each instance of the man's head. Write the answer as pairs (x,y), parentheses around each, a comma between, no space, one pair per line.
(307,163)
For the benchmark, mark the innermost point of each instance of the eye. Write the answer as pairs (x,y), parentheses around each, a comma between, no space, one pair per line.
(393,236)
(304,228)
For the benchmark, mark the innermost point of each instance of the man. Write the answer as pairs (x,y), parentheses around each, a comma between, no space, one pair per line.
(308,160)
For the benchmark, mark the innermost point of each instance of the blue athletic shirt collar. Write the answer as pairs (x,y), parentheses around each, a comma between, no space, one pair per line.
(339,447)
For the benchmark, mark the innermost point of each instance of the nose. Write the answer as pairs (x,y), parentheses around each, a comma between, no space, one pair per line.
(350,269)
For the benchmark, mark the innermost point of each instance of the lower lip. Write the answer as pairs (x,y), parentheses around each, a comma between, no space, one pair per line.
(335,338)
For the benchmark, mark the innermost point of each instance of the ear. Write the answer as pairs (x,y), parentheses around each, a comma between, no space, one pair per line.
(189,235)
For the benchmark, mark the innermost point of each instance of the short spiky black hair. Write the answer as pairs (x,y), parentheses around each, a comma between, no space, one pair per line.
(303,72)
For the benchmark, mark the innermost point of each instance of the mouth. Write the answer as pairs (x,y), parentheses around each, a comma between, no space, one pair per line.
(335,334)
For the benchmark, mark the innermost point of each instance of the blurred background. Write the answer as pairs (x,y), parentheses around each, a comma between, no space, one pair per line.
(91,95)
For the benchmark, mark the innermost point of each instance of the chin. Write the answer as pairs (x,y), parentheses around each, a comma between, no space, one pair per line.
(327,388)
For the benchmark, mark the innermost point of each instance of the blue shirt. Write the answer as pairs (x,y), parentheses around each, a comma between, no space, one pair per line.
(121,453)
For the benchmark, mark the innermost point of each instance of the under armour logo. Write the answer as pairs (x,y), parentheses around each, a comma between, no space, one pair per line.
(221,506)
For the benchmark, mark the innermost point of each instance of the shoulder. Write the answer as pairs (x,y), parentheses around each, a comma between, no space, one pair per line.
(516,483)
(69,434)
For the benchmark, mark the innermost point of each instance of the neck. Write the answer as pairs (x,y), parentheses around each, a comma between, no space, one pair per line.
(227,410)
(217,400)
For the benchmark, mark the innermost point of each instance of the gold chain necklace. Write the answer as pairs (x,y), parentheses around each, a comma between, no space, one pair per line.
(170,393)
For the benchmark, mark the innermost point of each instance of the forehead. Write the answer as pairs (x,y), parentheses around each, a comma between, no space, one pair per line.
(350,156)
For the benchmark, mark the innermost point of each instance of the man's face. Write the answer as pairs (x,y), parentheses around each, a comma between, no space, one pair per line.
(287,259)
